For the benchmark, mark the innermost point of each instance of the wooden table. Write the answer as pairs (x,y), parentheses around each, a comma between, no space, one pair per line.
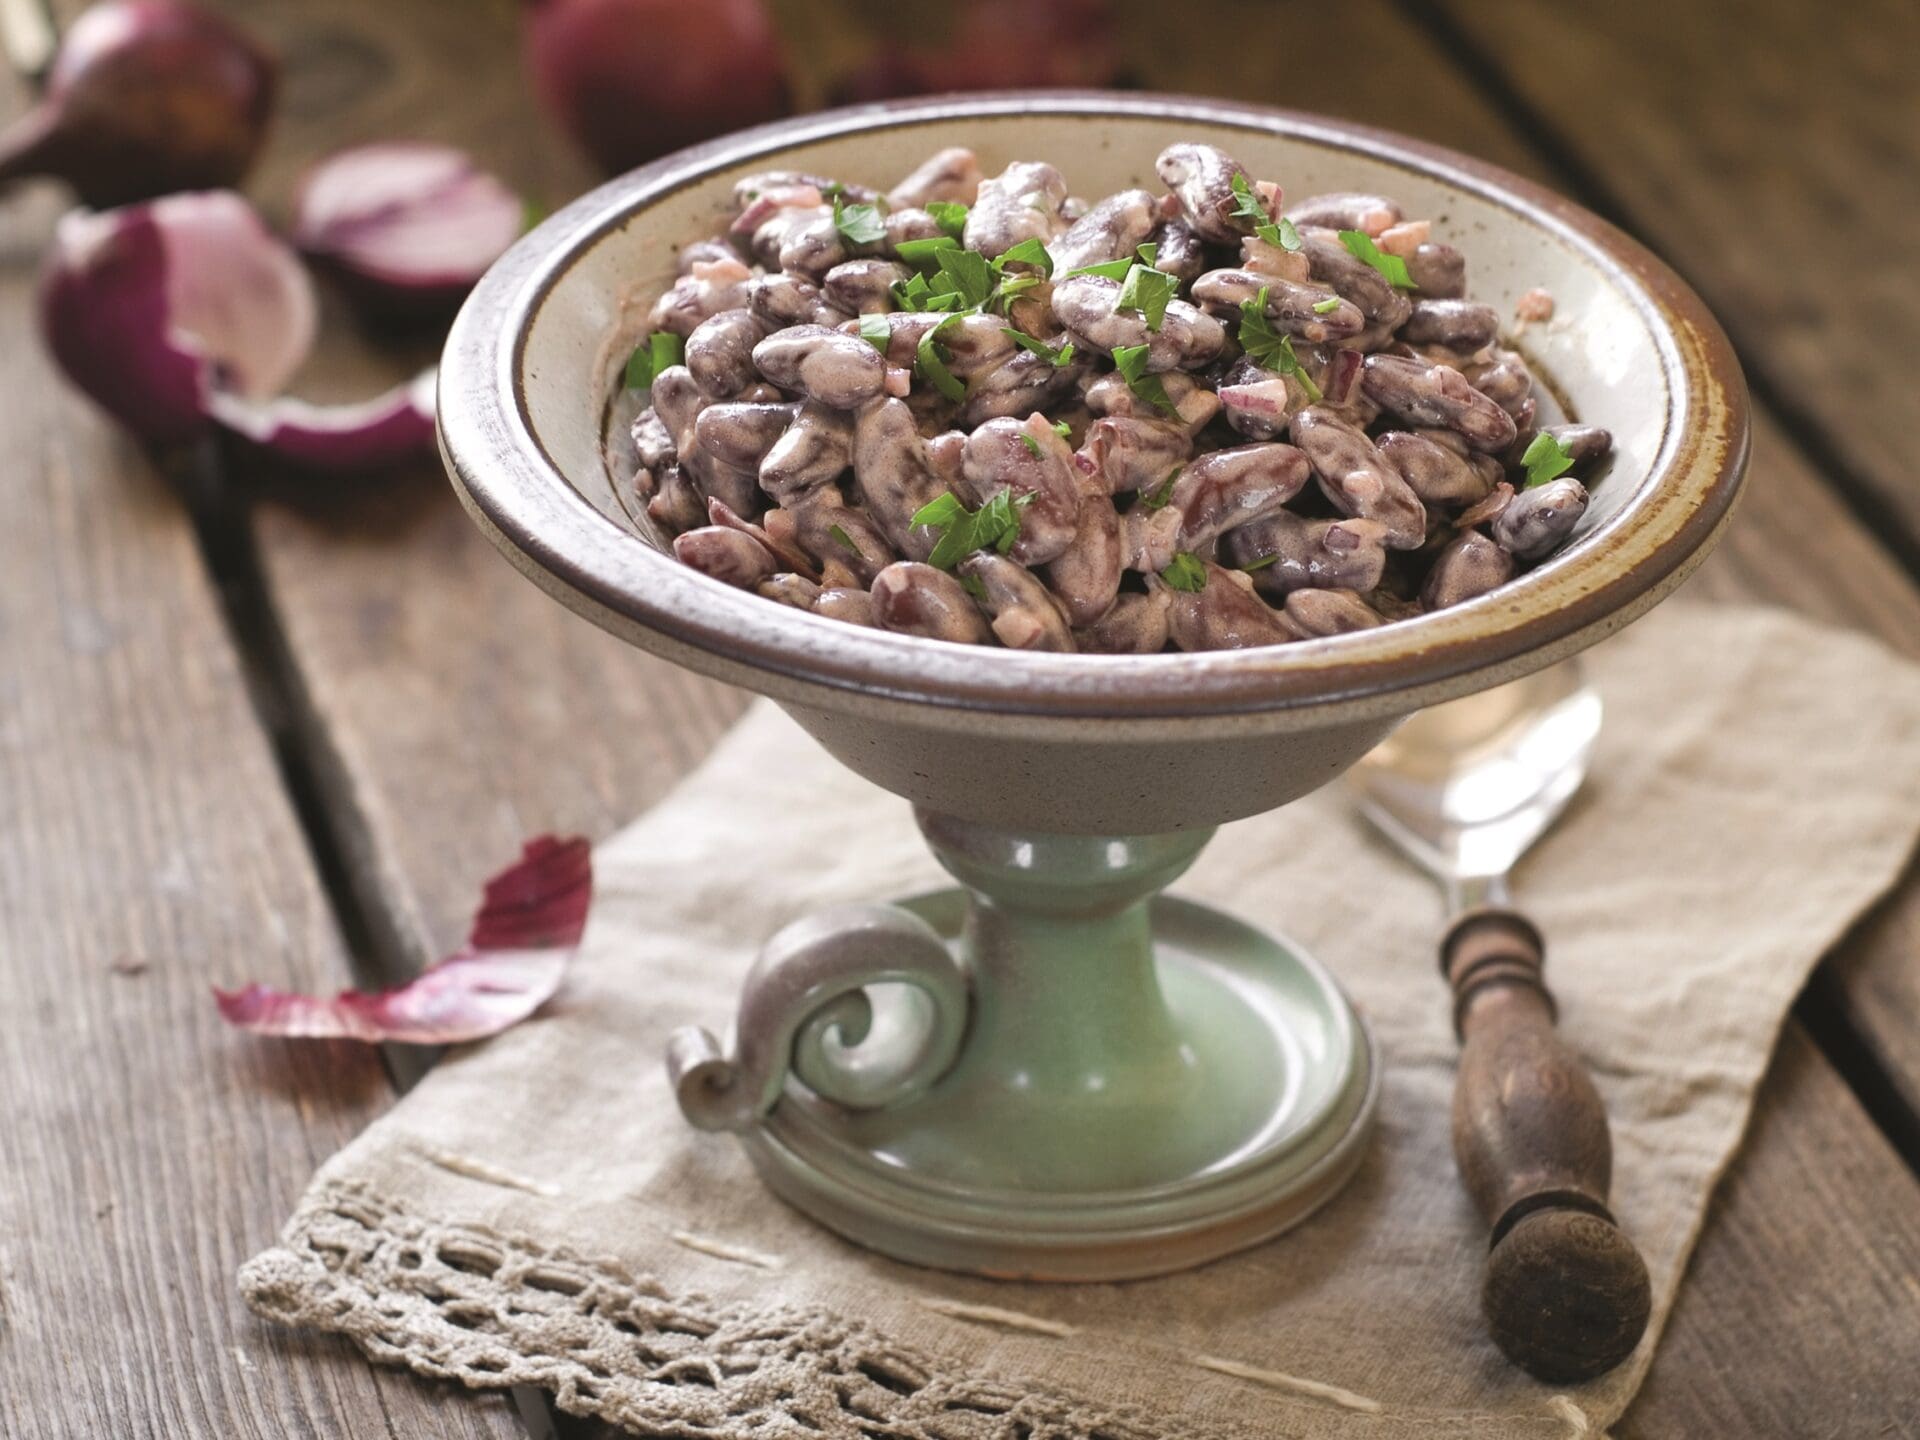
(259,727)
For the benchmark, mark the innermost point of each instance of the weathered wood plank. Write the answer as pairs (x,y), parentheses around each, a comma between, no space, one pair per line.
(1768,151)
(457,709)
(147,849)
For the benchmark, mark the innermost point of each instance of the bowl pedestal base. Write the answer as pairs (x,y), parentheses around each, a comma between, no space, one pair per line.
(1052,1073)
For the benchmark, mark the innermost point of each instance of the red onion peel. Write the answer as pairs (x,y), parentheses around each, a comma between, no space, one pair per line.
(186,312)
(526,931)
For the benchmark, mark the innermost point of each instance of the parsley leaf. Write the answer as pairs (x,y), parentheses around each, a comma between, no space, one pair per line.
(661,352)
(1027,252)
(1268,348)
(1148,291)
(861,224)
(1157,498)
(1260,564)
(916,294)
(1110,270)
(1247,207)
(949,215)
(876,331)
(931,366)
(965,273)
(1056,358)
(1546,459)
(1185,572)
(840,537)
(994,526)
(1149,253)
(1131,361)
(1061,427)
(1360,245)
(917,252)
(1031,444)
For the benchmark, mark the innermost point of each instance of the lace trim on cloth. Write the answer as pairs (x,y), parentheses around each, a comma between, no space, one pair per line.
(467,1304)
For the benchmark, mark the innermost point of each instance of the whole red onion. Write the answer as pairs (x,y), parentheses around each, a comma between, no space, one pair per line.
(145,97)
(633,79)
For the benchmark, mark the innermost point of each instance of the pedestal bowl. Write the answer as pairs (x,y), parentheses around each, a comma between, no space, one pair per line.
(1054,1071)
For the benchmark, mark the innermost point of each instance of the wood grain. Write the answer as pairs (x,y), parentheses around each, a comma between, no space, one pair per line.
(453,708)
(1767,150)
(147,850)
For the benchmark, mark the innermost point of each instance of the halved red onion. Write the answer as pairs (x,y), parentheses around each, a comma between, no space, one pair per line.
(527,928)
(186,312)
(408,225)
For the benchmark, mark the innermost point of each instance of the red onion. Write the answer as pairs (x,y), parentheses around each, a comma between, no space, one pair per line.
(632,79)
(991,45)
(186,312)
(145,97)
(407,226)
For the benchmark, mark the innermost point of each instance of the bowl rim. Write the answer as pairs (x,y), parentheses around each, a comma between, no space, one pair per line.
(554,533)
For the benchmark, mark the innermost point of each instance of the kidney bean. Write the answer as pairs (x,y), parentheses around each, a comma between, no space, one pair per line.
(675,505)
(1332,264)
(1289,306)
(1587,444)
(864,287)
(1440,397)
(791,589)
(916,599)
(1136,624)
(652,441)
(1503,379)
(1346,210)
(1331,612)
(1022,202)
(1436,464)
(1470,566)
(1029,458)
(1021,383)
(1022,614)
(1202,176)
(1085,577)
(729,556)
(813,450)
(822,364)
(1357,478)
(703,292)
(833,534)
(1457,324)
(1088,305)
(1223,489)
(1438,271)
(1111,230)
(1128,453)
(740,434)
(894,476)
(749,188)
(840,602)
(784,300)
(1179,250)
(1110,394)
(1539,518)
(952,174)
(703,252)
(1225,614)
(719,352)
(1149,538)
(1317,554)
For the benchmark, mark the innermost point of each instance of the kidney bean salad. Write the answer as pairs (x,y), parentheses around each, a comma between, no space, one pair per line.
(975,408)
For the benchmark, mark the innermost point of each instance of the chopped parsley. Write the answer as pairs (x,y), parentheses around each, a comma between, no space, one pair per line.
(1056,358)
(918,252)
(1031,444)
(1260,564)
(1061,427)
(1546,459)
(876,331)
(1185,572)
(860,224)
(1131,361)
(661,352)
(1027,252)
(1157,498)
(931,365)
(917,295)
(1360,245)
(949,215)
(1326,306)
(1148,291)
(840,537)
(965,273)
(1268,348)
(1247,207)
(1117,269)
(994,526)
(1149,253)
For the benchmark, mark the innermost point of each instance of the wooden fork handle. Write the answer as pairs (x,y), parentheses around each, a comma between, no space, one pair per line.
(1566,1294)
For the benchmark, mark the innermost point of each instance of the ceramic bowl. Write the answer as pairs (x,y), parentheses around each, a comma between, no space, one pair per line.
(1092,1083)
(530,399)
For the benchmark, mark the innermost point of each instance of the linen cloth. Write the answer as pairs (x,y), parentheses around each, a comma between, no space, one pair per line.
(537,1212)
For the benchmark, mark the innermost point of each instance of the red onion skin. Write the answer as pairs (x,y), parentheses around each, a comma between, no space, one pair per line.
(630,80)
(146,97)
